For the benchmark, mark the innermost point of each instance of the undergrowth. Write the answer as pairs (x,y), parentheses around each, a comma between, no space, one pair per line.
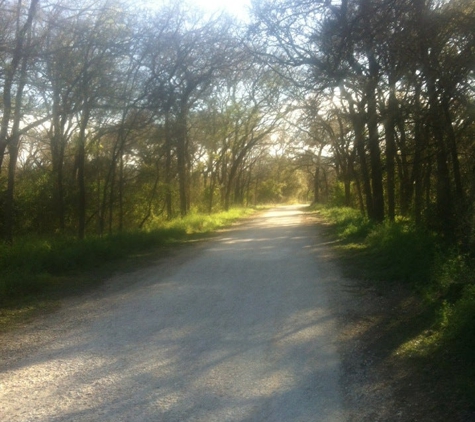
(33,266)
(440,277)
(202,223)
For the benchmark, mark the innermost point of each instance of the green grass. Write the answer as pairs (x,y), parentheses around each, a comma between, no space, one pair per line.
(349,224)
(204,223)
(440,278)
(388,252)
(31,266)
(34,272)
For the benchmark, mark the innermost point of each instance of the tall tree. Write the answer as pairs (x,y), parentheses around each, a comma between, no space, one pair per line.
(15,76)
(187,54)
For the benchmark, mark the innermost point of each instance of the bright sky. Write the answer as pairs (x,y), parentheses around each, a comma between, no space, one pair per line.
(235,7)
(238,8)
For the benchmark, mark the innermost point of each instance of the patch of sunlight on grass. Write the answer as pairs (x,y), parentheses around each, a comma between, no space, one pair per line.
(195,223)
(422,345)
(429,341)
(352,247)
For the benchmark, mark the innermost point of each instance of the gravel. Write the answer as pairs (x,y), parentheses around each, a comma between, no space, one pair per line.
(245,327)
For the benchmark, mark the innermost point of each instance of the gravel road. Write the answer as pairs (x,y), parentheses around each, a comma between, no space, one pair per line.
(238,328)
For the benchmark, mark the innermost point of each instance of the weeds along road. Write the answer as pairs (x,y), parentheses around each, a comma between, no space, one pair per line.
(238,328)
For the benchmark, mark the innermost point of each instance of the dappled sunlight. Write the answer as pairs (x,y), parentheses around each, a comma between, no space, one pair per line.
(164,376)
(242,332)
(238,241)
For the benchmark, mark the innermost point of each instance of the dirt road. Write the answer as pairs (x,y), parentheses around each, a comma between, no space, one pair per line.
(238,328)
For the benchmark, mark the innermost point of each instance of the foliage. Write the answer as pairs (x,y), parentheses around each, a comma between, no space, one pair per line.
(349,223)
(438,274)
(204,223)
(33,265)
(338,195)
(113,117)
(401,252)
(379,87)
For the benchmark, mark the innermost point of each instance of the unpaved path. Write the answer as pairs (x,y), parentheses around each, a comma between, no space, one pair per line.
(239,328)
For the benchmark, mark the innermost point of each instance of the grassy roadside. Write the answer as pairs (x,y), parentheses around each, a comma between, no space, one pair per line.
(36,273)
(433,330)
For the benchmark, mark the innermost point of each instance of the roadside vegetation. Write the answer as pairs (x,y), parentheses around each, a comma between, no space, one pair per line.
(116,119)
(440,335)
(35,272)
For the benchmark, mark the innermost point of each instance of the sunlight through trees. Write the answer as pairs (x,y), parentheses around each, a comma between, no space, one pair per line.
(113,117)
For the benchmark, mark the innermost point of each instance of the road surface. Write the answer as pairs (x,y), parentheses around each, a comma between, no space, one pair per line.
(238,328)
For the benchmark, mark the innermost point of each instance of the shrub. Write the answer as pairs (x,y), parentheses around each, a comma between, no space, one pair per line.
(401,252)
(350,223)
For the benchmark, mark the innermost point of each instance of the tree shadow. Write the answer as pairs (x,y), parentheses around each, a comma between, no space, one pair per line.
(242,331)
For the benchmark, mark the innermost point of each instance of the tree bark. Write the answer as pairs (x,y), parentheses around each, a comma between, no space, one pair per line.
(373,143)
(316,178)
(168,167)
(358,125)
(81,163)
(445,219)
(181,152)
(390,135)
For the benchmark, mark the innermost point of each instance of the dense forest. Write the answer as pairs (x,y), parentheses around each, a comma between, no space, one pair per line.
(113,116)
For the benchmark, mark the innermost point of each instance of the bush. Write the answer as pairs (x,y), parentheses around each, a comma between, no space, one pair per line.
(401,252)
(350,224)
(437,273)
(203,223)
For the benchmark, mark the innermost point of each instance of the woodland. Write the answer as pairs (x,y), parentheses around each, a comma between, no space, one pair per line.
(113,116)
(116,120)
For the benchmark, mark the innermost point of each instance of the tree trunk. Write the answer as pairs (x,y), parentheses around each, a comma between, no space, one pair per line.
(391,152)
(151,198)
(316,179)
(121,192)
(358,123)
(81,177)
(417,168)
(443,189)
(406,186)
(58,193)
(19,57)
(460,203)
(181,152)
(9,207)
(168,167)
(358,126)
(212,185)
(58,140)
(373,143)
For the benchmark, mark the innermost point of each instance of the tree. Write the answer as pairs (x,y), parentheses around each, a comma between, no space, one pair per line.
(400,72)
(15,74)
(185,57)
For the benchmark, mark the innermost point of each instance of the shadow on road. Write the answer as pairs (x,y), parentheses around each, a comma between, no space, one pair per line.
(242,331)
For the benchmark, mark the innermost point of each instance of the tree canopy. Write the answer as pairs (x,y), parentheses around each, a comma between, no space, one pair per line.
(113,116)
